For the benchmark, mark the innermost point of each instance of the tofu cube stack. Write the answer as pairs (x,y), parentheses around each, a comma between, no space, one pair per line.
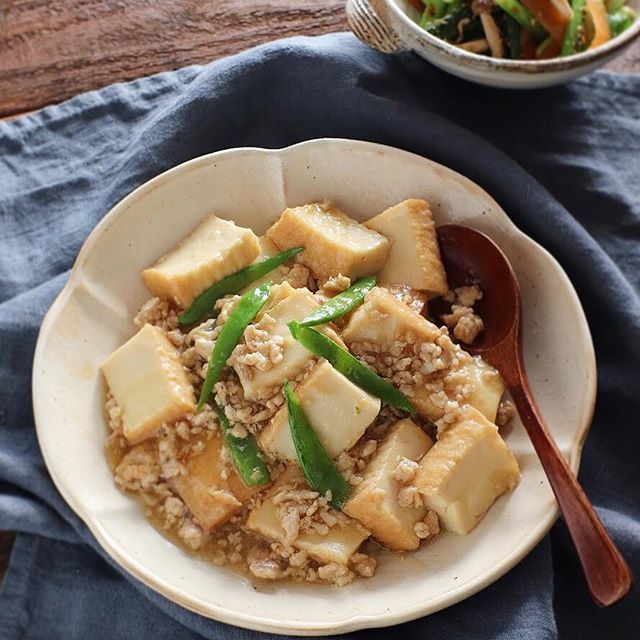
(338,410)
(215,249)
(212,498)
(334,243)
(287,304)
(414,259)
(149,383)
(374,501)
(468,467)
(338,545)
(382,321)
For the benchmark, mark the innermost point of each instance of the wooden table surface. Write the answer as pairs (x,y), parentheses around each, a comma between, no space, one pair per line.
(53,49)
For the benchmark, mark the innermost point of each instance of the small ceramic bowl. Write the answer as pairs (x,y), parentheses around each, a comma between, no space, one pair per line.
(391,26)
(93,315)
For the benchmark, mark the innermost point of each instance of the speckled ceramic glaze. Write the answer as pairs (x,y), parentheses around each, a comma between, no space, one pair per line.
(390,26)
(93,315)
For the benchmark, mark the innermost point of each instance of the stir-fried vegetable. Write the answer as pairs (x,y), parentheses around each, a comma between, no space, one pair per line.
(620,20)
(340,304)
(202,306)
(522,16)
(514,38)
(350,367)
(574,35)
(599,19)
(245,453)
(316,465)
(243,313)
(548,28)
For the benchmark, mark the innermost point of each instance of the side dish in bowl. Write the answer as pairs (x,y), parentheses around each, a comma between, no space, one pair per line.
(525,29)
(288,405)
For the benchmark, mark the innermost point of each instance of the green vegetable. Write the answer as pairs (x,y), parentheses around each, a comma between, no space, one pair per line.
(341,303)
(447,27)
(434,9)
(621,20)
(349,366)
(313,457)
(202,306)
(244,312)
(245,454)
(614,5)
(514,35)
(575,29)
(522,16)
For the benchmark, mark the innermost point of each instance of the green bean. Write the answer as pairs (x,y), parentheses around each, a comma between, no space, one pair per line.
(575,29)
(349,366)
(522,16)
(316,465)
(243,313)
(621,20)
(245,453)
(514,34)
(340,304)
(202,306)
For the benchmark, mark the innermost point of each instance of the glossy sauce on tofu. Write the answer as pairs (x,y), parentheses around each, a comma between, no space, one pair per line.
(408,476)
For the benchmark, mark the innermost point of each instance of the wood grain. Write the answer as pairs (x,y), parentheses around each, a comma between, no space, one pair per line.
(53,49)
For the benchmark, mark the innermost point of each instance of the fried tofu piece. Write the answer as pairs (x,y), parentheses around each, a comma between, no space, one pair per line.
(215,249)
(414,259)
(334,243)
(381,321)
(149,383)
(286,304)
(338,545)
(374,502)
(416,300)
(212,498)
(466,470)
(337,409)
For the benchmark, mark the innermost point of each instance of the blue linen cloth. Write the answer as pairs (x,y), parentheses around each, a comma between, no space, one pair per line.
(563,162)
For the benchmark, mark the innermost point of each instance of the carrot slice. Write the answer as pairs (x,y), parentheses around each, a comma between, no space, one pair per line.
(601,31)
(553,15)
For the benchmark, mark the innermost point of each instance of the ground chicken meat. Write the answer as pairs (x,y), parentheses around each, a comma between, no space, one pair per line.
(506,412)
(465,324)
(428,527)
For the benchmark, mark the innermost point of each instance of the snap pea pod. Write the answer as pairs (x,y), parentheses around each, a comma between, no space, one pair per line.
(349,366)
(575,29)
(243,313)
(522,16)
(245,453)
(202,306)
(621,20)
(316,464)
(341,303)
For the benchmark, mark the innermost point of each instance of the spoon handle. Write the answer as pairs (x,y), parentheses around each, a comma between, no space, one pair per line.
(607,574)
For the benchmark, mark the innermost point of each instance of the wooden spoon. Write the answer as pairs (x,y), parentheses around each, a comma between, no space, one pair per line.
(470,257)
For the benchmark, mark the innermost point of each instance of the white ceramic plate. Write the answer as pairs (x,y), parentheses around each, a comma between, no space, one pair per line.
(93,315)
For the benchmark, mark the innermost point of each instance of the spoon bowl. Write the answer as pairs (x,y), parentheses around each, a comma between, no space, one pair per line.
(472,258)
